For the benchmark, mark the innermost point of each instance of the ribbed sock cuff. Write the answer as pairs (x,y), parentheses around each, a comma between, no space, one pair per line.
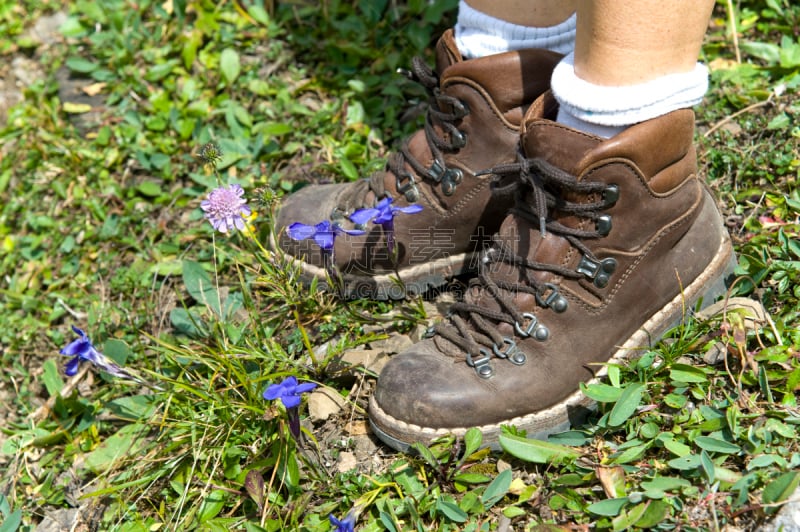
(478,34)
(630,104)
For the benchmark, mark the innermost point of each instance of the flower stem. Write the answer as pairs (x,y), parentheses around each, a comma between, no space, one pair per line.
(306,341)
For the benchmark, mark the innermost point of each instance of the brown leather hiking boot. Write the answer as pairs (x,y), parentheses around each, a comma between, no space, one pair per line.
(472,123)
(609,243)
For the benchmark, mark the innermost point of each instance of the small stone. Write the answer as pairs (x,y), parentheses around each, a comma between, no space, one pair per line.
(356,428)
(394,344)
(58,520)
(346,462)
(353,361)
(46,28)
(26,71)
(321,351)
(369,359)
(503,524)
(431,310)
(364,445)
(323,403)
(716,354)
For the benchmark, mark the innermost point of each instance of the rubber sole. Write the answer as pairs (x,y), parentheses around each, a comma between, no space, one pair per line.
(409,281)
(708,286)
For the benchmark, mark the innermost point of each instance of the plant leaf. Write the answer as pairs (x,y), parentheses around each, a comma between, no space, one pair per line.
(780,489)
(608,507)
(51,377)
(11,522)
(497,489)
(707,465)
(426,454)
(687,373)
(716,445)
(198,284)
(626,405)
(602,393)
(685,463)
(79,64)
(211,505)
(451,510)
(229,65)
(472,441)
(540,452)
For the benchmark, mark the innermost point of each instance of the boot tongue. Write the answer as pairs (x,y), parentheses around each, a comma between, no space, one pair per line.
(566,149)
(447,52)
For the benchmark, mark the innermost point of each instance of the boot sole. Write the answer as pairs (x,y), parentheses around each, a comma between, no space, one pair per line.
(409,281)
(708,286)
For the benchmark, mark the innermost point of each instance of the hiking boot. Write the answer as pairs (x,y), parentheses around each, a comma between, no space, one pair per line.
(608,245)
(472,123)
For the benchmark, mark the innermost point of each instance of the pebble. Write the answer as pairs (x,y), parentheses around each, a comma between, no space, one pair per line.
(323,403)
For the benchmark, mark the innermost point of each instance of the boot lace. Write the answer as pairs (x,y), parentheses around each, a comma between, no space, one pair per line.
(540,189)
(443,111)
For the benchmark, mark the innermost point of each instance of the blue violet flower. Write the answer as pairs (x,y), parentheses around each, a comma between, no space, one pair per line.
(289,392)
(383,214)
(82,349)
(324,233)
(345,525)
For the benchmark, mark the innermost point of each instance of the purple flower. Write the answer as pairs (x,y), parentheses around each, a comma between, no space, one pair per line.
(225,208)
(345,525)
(288,391)
(82,349)
(324,233)
(383,214)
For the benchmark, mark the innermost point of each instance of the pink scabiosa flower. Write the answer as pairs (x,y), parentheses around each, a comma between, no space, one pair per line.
(383,214)
(226,209)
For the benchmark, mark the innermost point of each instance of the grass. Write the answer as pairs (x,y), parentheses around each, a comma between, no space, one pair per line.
(100,227)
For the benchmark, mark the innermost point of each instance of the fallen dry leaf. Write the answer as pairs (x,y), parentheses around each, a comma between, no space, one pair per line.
(94,89)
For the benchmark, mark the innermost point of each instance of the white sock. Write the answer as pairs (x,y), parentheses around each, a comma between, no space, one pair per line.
(479,34)
(585,106)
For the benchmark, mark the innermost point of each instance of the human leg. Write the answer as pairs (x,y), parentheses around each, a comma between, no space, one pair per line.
(484,27)
(633,61)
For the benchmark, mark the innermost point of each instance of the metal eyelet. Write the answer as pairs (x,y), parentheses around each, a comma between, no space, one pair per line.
(481,365)
(610,195)
(458,139)
(511,352)
(455,175)
(548,296)
(533,328)
(599,271)
(409,188)
(603,224)
(460,108)
(452,177)
(437,171)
